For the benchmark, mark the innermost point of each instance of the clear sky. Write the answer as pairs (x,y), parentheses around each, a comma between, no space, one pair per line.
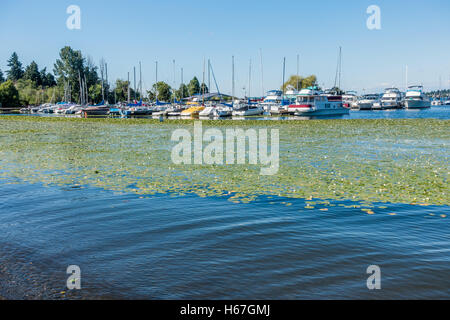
(413,33)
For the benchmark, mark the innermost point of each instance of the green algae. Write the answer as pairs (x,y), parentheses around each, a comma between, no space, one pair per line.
(395,161)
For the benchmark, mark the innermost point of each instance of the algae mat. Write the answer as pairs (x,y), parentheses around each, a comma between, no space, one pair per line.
(396,161)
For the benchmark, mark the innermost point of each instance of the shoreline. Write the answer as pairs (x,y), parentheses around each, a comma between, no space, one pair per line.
(246,122)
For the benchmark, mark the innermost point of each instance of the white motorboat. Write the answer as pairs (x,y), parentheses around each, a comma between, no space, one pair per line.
(273,99)
(367,101)
(416,99)
(350,100)
(319,105)
(391,99)
(246,109)
(224,111)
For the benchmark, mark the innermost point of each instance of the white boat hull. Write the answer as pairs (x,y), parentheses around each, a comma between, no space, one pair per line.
(365,105)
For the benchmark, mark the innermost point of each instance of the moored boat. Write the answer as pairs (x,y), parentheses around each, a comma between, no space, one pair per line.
(391,99)
(319,105)
(367,101)
(416,99)
(350,100)
(247,109)
(192,111)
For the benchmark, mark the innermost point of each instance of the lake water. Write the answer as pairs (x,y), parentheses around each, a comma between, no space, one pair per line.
(435,112)
(103,195)
(163,247)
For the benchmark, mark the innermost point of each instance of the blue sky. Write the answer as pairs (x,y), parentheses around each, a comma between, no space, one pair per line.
(414,33)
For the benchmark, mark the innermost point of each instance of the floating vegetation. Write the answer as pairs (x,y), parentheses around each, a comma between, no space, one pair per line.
(371,161)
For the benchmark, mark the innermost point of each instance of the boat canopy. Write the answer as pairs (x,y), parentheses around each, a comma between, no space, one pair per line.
(139,104)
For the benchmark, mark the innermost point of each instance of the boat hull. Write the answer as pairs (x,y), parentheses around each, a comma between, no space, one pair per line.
(365,105)
(417,104)
(322,112)
(247,113)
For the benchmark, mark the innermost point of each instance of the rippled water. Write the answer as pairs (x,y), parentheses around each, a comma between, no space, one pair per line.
(103,195)
(160,246)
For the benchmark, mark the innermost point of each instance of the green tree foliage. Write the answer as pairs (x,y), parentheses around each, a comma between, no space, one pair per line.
(163,89)
(71,66)
(299,82)
(182,92)
(2,79)
(95,93)
(15,71)
(121,91)
(47,79)
(194,87)
(9,96)
(32,73)
(204,89)
(31,94)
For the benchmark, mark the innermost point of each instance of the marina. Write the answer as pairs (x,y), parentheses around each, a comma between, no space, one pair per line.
(307,102)
(222,160)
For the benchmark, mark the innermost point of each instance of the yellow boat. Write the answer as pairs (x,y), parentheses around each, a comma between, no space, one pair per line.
(192,111)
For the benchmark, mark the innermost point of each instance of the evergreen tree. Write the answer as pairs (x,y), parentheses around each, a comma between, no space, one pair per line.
(15,71)
(32,73)
(194,87)
(182,92)
(2,79)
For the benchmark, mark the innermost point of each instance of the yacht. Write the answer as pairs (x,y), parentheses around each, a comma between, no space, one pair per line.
(224,110)
(416,99)
(391,99)
(319,104)
(367,101)
(272,99)
(306,92)
(350,100)
(247,109)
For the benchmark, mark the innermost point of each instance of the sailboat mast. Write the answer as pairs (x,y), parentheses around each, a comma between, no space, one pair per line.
(156,83)
(203,83)
(340,66)
(86,94)
(140,80)
(232,80)
(174,80)
(106,75)
(102,70)
(262,73)
(249,77)
(298,66)
(284,72)
(134,71)
(209,75)
(128,88)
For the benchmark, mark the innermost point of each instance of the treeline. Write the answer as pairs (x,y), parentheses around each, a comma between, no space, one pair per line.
(76,78)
